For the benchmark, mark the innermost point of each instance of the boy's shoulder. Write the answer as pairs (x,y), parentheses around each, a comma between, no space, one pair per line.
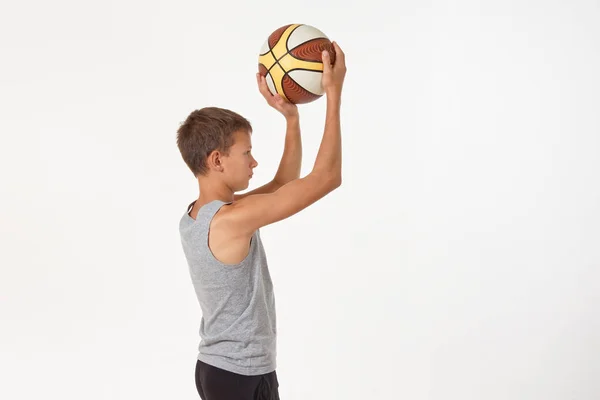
(224,213)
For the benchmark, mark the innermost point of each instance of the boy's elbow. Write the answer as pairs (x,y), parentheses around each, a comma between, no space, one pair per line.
(328,181)
(336,181)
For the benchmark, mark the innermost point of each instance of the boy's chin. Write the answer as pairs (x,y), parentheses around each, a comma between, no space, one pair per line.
(243,186)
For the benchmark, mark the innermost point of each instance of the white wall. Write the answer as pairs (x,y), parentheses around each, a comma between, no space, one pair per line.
(459,260)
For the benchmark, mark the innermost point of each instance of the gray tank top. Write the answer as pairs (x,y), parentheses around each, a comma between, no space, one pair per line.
(238,325)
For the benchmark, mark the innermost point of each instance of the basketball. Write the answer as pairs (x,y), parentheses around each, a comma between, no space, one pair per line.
(291,62)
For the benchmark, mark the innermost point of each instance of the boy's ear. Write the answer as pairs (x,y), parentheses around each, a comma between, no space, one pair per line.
(215,161)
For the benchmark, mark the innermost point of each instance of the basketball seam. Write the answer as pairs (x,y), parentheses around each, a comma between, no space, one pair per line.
(287,41)
(295,58)
(288,52)
(303,69)
(285,27)
(303,43)
(276,61)
(269,74)
(286,46)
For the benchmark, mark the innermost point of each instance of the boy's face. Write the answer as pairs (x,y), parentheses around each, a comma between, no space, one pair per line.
(239,164)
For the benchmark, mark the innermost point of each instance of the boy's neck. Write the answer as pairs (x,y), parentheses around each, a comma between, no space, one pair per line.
(210,191)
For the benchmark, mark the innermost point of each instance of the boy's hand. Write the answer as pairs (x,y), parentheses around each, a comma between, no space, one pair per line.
(287,109)
(333,75)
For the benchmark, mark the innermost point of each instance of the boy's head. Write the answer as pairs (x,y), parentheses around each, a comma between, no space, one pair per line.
(215,142)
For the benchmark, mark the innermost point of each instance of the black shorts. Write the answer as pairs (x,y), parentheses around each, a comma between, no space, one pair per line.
(217,384)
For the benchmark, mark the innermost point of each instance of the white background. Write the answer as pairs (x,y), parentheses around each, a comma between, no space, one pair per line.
(459,259)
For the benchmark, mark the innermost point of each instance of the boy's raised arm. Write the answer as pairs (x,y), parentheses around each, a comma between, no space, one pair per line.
(256,211)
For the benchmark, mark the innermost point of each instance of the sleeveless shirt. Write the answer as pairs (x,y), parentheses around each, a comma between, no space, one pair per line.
(238,331)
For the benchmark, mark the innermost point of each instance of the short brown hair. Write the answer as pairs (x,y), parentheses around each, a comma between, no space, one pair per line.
(206,130)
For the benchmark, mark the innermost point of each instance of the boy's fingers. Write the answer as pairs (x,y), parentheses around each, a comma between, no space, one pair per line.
(262,87)
(326,61)
(339,54)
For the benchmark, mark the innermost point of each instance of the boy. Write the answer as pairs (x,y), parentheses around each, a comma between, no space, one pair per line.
(221,239)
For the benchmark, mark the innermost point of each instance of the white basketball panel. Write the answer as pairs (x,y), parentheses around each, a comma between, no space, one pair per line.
(302,34)
(265,48)
(309,80)
(271,84)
